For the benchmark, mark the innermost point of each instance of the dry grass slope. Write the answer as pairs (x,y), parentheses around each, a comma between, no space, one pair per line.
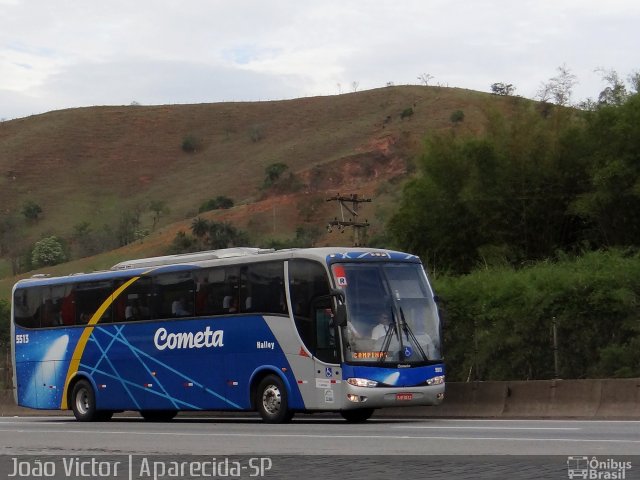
(90,164)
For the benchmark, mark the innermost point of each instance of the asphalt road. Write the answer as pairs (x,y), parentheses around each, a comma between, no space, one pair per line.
(529,447)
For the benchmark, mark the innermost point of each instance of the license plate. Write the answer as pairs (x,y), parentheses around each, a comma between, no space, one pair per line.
(404,396)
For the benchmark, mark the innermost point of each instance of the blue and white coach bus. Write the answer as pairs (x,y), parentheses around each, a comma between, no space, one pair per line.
(303,330)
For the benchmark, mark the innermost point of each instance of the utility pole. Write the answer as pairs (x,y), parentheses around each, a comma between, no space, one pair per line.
(556,362)
(350,204)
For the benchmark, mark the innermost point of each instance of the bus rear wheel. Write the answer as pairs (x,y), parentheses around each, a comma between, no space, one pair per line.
(83,404)
(357,416)
(272,400)
(158,415)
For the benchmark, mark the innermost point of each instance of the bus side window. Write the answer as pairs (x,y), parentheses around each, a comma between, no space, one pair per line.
(27,303)
(210,291)
(135,303)
(265,288)
(68,306)
(230,298)
(175,294)
(89,297)
(50,313)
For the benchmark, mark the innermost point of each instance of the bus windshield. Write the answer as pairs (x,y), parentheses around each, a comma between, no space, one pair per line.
(392,316)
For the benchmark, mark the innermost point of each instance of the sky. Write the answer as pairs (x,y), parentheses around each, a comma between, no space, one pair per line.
(57,54)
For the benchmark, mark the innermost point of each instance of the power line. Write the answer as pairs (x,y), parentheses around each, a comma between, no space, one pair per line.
(350,204)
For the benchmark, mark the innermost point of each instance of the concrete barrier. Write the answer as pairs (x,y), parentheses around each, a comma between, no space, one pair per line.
(613,398)
(620,398)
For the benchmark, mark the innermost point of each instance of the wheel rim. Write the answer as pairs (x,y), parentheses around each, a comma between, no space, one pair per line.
(271,399)
(82,401)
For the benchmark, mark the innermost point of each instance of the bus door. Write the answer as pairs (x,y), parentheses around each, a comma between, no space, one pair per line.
(328,374)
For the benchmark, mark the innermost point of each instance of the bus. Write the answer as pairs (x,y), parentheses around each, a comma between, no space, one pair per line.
(346,330)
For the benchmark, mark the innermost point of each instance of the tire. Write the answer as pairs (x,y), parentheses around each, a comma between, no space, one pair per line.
(83,402)
(357,416)
(272,400)
(158,415)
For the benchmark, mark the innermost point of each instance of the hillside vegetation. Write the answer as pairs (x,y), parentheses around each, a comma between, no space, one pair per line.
(525,214)
(94,171)
(531,231)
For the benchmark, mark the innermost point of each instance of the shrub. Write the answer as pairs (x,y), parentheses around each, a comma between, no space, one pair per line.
(183,243)
(499,321)
(220,202)
(457,116)
(407,112)
(191,144)
(256,133)
(31,210)
(273,173)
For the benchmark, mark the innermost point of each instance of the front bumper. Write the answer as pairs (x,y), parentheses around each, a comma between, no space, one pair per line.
(382,397)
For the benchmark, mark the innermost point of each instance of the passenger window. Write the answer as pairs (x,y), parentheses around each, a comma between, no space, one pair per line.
(58,307)
(89,297)
(26,306)
(136,302)
(264,288)
(231,289)
(174,295)
(68,304)
(210,291)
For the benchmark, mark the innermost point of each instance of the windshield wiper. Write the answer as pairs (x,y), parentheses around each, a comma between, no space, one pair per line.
(409,333)
(386,340)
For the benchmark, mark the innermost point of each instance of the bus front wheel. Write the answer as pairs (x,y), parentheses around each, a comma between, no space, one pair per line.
(357,416)
(83,403)
(272,401)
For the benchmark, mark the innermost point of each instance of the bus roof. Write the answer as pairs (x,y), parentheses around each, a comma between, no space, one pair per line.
(227,256)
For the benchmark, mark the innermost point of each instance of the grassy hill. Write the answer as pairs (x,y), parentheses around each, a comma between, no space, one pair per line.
(93,164)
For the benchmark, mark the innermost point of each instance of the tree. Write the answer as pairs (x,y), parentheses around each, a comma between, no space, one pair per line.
(216,235)
(500,88)
(225,235)
(31,210)
(11,245)
(559,88)
(274,172)
(5,312)
(425,78)
(8,237)
(84,239)
(159,208)
(182,243)
(200,228)
(615,93)
(611,146)
(128,226)
(48,251)
(503,197)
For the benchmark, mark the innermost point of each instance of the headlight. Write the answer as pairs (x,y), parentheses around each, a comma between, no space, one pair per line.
(439,380)
(361,382)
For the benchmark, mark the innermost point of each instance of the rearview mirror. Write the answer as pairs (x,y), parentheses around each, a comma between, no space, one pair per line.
(341,315)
